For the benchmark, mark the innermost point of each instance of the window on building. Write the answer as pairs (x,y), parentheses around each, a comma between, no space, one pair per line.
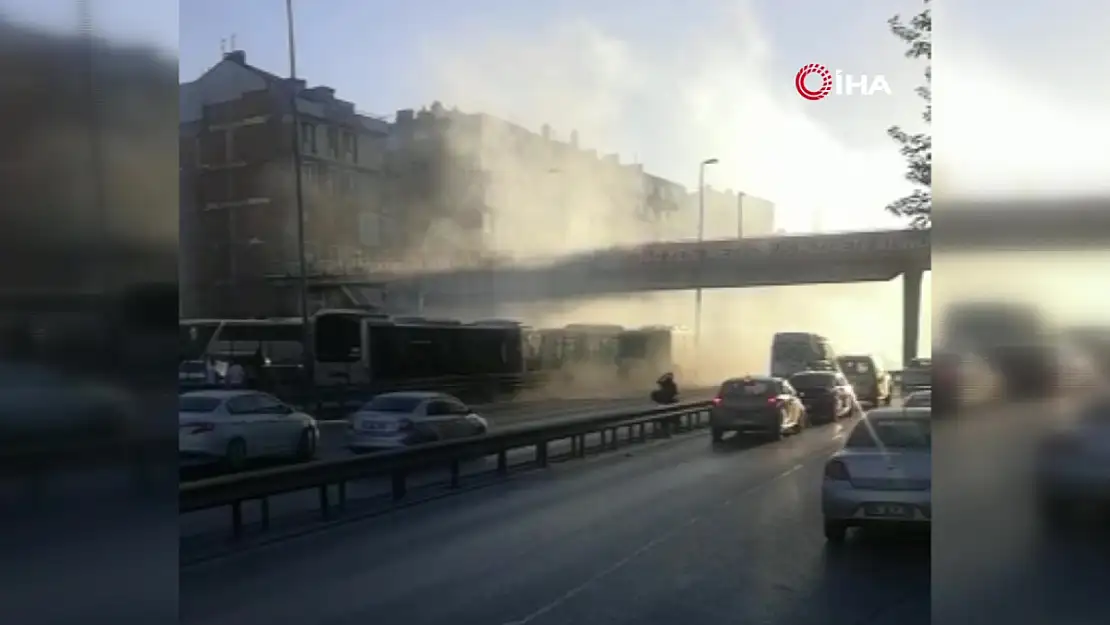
(310,175)
(369,228)
(350,147)
(333,142)
(308,138)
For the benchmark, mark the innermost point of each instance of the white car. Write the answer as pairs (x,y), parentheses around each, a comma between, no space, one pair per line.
(883,476)
(398,420)
(235,426)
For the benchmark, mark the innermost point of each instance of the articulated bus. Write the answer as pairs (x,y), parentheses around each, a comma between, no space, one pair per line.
(270,350)
(646,353)
(377,353)
(792,352)
(394,353)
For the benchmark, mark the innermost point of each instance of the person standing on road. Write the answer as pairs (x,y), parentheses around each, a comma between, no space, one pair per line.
(211,372)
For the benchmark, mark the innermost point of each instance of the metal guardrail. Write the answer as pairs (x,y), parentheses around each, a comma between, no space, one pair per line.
(234,490)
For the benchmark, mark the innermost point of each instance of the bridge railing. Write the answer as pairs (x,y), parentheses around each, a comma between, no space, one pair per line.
(233,491)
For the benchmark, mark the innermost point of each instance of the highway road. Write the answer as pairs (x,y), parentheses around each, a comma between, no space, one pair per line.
(208,529)
(680,532)
(333,434)
(685,532)
(992,561)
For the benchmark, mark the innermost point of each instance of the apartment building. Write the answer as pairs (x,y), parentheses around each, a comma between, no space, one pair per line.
(239,248)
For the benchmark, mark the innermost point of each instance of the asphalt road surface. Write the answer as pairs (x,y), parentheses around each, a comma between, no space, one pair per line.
(992,560)
(333,434)
(205,530)
(333,437)
(681,532)
(685,532)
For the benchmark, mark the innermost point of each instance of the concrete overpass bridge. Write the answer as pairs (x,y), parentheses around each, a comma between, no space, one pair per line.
(781,260)
(683,265)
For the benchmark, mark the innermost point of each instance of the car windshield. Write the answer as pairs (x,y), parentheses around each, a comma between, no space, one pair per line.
(793,350)
(921,400)
(392,403)
(194,404)
(813,380)
(855,366)
(892,432)
(758,388)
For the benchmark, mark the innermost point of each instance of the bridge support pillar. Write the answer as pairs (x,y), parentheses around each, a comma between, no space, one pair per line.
(911,314)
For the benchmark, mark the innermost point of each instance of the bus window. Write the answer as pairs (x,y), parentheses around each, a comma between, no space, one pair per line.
(826,351)
(194,337)
(338,338)
(792,352)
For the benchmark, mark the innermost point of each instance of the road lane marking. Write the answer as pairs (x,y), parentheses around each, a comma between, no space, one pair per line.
(625,561)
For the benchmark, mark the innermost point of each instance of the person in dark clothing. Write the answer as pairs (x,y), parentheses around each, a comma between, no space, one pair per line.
(667,391)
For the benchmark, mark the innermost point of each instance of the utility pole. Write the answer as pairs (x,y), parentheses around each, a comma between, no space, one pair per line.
(701,237)
(308,351)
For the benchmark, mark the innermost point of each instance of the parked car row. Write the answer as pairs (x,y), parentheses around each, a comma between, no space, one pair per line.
(233,428)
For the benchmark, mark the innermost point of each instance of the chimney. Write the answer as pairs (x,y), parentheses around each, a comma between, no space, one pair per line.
(546,132)
(236,56)
(574,138)
(405,116)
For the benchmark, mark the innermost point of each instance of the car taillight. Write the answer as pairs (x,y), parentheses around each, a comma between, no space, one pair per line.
(716,401)
(835,470)
(199,428)
(772,401)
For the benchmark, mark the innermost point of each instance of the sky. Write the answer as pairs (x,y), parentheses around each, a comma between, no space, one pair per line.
(666,84)
(670,82)
(1018,90)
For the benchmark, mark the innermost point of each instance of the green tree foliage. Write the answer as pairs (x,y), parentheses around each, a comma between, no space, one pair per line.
(917,147)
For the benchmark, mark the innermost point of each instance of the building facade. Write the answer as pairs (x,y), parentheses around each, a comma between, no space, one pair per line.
(435,188)
(238,194)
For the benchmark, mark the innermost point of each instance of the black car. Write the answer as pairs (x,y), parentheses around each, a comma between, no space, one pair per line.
(826,395)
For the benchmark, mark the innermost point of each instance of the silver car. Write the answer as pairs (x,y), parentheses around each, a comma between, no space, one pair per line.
(1073,464)
(398,420)
(882,476)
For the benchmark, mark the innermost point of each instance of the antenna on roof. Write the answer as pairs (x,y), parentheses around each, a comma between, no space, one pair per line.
(233,41)
(223,47)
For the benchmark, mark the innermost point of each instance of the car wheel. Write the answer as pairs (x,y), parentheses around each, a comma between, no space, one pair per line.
(780,431)
(306,446)
(835,533)
(717,434)
(235,457)
(800,425)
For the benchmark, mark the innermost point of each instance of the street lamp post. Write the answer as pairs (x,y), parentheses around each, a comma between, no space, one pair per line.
(701,237)
(306,329)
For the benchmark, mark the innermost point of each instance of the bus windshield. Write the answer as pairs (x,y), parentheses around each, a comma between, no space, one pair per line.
(792,352)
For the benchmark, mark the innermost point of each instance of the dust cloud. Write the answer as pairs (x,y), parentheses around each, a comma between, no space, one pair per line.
(594,94)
